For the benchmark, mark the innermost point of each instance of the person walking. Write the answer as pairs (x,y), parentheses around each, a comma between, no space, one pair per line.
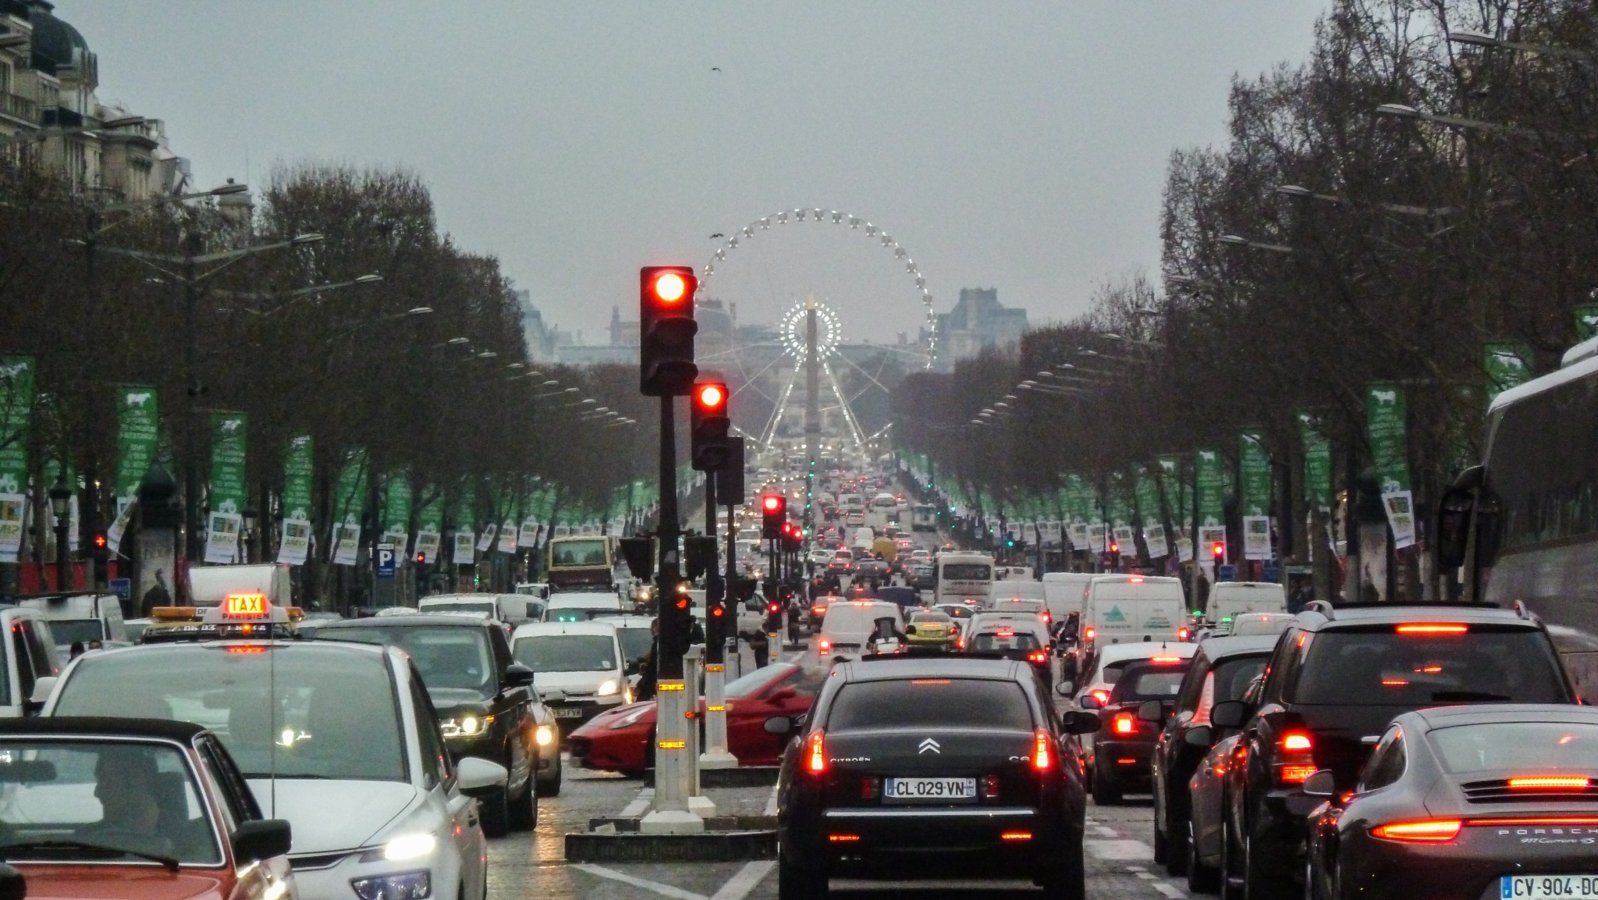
(157,595)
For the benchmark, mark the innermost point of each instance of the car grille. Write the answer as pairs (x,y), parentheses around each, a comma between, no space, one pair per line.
(319,861)
(1499,791)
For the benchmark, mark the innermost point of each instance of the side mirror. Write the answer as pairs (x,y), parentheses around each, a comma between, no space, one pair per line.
(1081,722)
(1065,688)
(41,692)
(1089,701)
(518,675)
(634,666)
(1151,711)
(1199,737)
(477,777)
(1320,785)
(782,726)
(261,839)
(909,630)
(1229,714)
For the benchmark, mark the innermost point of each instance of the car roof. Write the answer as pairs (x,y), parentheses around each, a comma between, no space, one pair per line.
(597,599)
(166,729)
(592,626)
(1143,649)
(893,668)
(418,620)
(1219,648)
(1506,713)
(629,620)
(1356,615)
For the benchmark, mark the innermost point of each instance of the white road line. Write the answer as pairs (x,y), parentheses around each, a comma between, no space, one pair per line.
(1169,890)
(747,879)
(1117,850)
(1105,831)
(639,805)
(664,890)
(771,802)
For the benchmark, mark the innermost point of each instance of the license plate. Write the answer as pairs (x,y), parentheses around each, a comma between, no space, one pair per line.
(1571,887)
(567,712)
(930,789)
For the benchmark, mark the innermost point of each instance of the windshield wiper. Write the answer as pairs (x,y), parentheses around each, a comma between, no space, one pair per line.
(167,862)
(1467,697)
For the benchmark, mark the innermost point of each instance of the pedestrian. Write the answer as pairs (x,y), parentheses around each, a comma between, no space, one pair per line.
(157,595)
(760,645)
(96,644)
(645,690)
(75,651)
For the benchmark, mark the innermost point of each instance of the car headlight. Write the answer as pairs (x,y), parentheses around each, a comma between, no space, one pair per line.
(400,886)
(544,735)
(409,846)
(608,688)
(630,719)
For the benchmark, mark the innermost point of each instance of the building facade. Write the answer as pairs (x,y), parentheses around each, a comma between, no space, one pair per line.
(977,321)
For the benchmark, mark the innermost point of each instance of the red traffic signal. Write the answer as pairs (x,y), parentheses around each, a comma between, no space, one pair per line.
(773,607)
(666,330)
(710,397)
(771,503)
(421,558)
(709,426)
(1115,547)
(773,515)
(1218,550)
(100,542)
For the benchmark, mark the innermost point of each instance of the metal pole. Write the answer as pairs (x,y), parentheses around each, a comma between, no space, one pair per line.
(715,589)
(63,568)
(1351,525)
(191,471)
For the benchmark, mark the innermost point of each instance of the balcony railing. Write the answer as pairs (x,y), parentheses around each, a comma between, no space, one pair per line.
(16,106)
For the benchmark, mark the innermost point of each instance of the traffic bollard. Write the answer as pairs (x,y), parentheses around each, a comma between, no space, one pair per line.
(692,666)
(669,811)
(716,755)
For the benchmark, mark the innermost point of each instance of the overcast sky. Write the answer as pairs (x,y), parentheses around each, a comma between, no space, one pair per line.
(1015,145)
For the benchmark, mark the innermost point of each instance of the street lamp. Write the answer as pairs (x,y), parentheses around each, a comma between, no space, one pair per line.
(249,516)
(45,134)
(1478,39)
(288,297)
(1238,240)
(61,507)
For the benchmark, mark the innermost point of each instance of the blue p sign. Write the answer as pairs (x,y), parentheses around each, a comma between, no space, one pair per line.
(386,560)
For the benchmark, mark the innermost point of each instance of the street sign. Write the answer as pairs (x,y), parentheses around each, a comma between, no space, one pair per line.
(1225,572)
(386,560)
(1273,571)
(122,587)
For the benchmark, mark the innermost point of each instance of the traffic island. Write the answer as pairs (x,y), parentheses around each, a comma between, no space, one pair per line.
(619,840)
(737,777)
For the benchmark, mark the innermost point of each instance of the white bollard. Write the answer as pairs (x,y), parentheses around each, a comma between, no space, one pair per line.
(692,665)
(669,811)
(734,660)
(716,755)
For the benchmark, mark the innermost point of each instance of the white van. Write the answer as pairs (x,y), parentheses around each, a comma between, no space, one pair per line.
(1228,598)
(579,668)
(512,609)
(80,618)
(863,538)
(1120,609)
(581,606)
(1064,592)
(28,656)
(848,627)
(210,585)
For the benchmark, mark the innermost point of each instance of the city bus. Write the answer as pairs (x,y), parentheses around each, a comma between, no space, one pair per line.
(580,562)
(1524,524)
(923,517)
(964,578)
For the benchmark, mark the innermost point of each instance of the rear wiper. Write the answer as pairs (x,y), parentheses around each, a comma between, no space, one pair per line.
(167,862)
(1467,697)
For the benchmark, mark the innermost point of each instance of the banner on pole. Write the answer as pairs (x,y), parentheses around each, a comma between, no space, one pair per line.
(294,548)
(229,491)
(16,414)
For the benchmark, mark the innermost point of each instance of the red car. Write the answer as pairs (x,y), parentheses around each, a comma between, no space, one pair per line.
(619,739)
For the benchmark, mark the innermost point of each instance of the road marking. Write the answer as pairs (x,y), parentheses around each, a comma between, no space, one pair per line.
(1169,890)
(747,879)
(1105,831)
(771,802)
(664,890)
(1120,849)
(639,805)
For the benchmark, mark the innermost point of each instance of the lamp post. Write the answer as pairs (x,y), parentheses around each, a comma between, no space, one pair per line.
(61,507)
(249,517)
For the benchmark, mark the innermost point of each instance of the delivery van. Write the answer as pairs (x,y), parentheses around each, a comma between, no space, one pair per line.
(1121,609)
(210,585)
(1229,598)
(1063,592)
(80,618)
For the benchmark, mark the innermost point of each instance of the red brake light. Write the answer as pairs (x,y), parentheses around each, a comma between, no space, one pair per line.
(1549,783)
(1089,633)
(1434,831)
(1101,695)
(1124,724)
(1297,742)
(1037,657)
(1432,628)
(825,645)
(816,754)
(1165,660)
(1042,752)
(1181,634)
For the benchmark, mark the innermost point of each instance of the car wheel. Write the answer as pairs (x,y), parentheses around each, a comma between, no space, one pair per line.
(1201,879)
(522,812)
(549,786)
(1176,844)
(1067,880)
(798,882)
(1259,880)
(495,810)
(1105,791)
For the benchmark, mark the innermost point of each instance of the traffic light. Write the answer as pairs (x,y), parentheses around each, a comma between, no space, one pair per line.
(774,617)
(666,330)
(708,426)
(699,555)
(102,559)
(773,512)
(1115,555)
(1218,552)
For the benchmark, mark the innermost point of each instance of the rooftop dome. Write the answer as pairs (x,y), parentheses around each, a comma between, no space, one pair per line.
(55,43)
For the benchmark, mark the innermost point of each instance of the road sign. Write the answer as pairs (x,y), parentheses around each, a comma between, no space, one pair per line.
(122,587)
(386,560)
(1225,572)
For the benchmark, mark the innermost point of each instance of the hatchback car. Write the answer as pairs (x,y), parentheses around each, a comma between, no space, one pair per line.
(339,739)
(579,668)
(1139,700)
(144,808)
(928,766)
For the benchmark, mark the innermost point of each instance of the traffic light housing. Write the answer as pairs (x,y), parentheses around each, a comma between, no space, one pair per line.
(102,559)
(773,512)
(1218,552)
(1115,555)
(666,330)
(709,426)
(773,616)
(699,555)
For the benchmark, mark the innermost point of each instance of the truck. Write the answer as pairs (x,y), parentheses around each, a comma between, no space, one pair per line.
(80,618)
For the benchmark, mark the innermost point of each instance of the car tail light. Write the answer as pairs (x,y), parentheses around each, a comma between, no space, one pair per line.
(1037,657)
(1297,741)
(1549,821)
(868,789)
(1420,831)
(1165,660)
(990,786)
(1432,628)
(1088,634)
(1181,634)
(1549,782)
(1042,752)
(1016,836)
(816,754)
(1297,762)
(1101,695)
(1124,724)
(843,838)
(825,645)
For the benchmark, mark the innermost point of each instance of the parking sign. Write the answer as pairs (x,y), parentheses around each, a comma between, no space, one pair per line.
(386,561)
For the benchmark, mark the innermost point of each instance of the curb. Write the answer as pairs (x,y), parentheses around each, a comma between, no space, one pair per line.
(736,777)
(714,824)
(709,846)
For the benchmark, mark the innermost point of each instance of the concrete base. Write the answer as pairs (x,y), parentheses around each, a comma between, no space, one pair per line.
(671,822)
(717,760)
(706,847)
(703,807)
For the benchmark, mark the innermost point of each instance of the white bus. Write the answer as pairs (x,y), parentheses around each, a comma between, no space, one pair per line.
(964,577)
(1524,525)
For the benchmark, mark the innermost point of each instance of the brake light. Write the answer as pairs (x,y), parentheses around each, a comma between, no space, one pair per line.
(843,838)
(826,645)
(1297,764)
(1549,783)
(1432,628)
(1136,579)
(1101,695)
(816,754)
(1089,632)
(1538,820)
(1422,831)
(1036,657)
(1042,752)
(868,788)
(1297,741)
(1016,836)
(1181,634)
(1123,724)
(1165,660)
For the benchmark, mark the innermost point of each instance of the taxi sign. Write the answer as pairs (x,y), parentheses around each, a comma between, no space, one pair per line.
(244,606)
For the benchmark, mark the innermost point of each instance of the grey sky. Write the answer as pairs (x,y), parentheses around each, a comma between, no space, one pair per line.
(1005,144)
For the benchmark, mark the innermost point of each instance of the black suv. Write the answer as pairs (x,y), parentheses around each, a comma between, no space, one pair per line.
(931,766)
(486,703)
(1221,670)
(1335,680)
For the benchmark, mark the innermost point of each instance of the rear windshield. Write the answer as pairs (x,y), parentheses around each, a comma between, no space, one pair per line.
(1384,668)
(1533,747)
(930,703)
(991,641)
(469,606)
(967,572)
(1230,679)
(567,652)
(67,631)
(1149,683)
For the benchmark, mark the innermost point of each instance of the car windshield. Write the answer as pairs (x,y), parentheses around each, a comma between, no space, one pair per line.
(967,572)
(309,710)
(579,553)
(635,641)
(931,702)
(1535,747)
(1148,683)
(567,652)
(1368,667)
(457,658)
(995,641)
(101,800)
(67,631)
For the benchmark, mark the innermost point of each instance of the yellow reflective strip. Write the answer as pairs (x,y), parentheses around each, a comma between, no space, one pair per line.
(717,708)
(672,745)
(715,668)
(668,686)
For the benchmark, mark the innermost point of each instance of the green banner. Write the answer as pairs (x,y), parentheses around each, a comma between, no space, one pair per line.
(349,503)
(1174,489)
(1148,498)
(138,427)
(230,491)
(1507,365)
(1384,424)
(16,414)
(1586,322)
(466,508)
(1255,463)
(431,516)
(299,466)
(1317,463)
(1211,481)
(397,502)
